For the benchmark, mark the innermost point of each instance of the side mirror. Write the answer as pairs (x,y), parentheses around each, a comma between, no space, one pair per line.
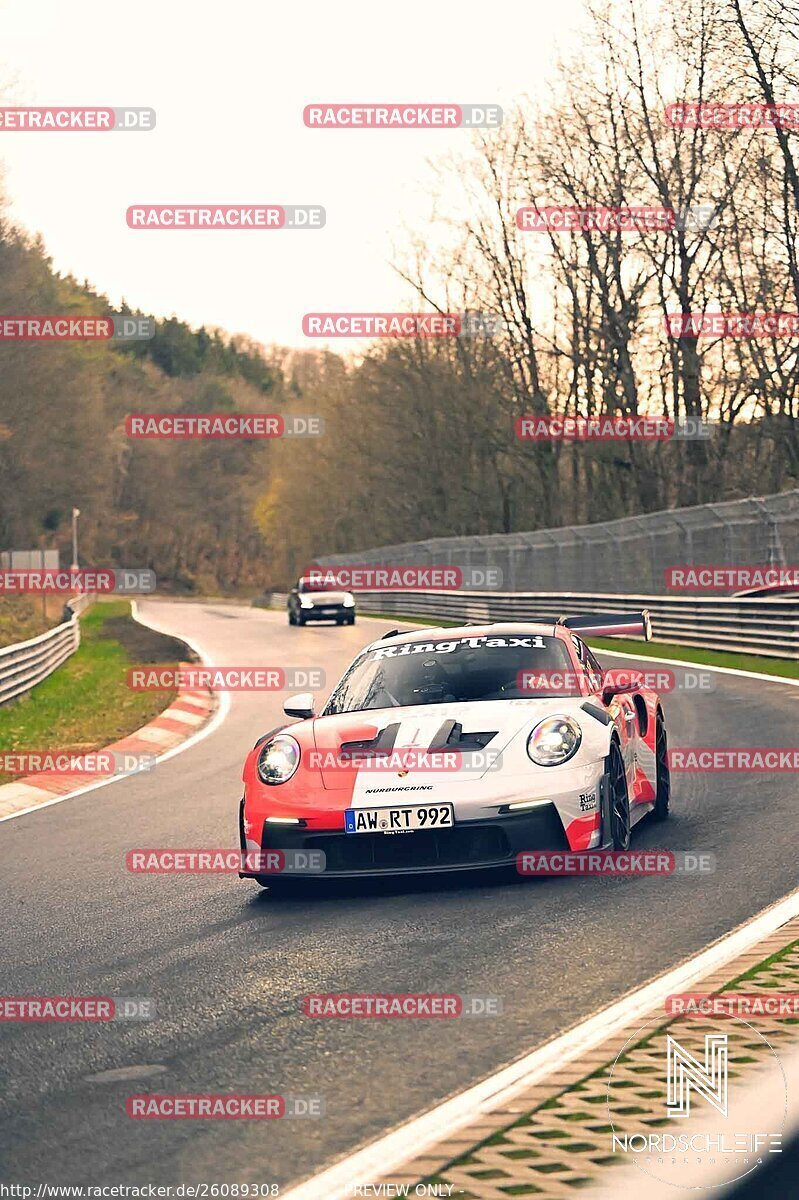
(617,689)
(300,706)
(618,682)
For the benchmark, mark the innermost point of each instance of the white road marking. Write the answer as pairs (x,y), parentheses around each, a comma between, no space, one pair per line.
(391,1152)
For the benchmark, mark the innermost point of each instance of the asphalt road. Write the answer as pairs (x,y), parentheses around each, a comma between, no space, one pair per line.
(227,965)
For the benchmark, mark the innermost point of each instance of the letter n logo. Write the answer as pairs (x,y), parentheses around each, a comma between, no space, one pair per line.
(686,1072)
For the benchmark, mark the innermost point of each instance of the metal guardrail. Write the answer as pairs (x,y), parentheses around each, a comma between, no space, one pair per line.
(27,663)
(769,627)
(615,556)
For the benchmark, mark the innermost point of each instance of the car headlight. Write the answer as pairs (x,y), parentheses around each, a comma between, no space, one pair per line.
(348,602)
(278,760)
(305,602)
(553,741)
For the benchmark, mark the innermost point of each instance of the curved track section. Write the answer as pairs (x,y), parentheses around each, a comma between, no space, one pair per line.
(227,965)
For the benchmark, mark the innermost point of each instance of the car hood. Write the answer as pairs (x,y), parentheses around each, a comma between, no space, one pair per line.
(324,597)
(424,726)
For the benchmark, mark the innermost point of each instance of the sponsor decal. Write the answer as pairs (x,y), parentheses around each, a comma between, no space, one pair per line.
(529,642)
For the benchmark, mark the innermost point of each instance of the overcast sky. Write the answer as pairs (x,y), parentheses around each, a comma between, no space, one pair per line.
(229,81)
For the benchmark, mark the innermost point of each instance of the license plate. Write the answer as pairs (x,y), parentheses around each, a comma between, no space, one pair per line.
(329,612)
(398,820)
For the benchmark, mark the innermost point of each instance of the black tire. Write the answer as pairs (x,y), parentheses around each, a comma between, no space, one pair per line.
(351,620)
(663,795)
(300,619)
(619,800)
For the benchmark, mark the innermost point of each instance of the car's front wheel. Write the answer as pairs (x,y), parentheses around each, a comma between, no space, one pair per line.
(619,801)
(660,812)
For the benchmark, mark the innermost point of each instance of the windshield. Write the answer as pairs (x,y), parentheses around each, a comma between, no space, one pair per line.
(454,670)
(307,585)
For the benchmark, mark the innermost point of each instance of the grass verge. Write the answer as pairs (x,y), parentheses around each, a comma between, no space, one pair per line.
(86,703)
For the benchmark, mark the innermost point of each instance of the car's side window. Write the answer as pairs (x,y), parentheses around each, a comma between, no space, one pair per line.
(594,669)
(589,664)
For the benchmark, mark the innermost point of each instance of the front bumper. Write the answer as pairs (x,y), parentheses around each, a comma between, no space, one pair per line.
(326,612)
(466,846)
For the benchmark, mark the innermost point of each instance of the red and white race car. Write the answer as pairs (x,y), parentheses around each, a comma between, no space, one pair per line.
(457,749)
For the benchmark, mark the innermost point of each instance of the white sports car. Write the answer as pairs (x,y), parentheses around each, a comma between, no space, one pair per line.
(458,749)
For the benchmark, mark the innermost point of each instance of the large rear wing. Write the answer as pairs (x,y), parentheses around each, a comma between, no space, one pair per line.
(637,624)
